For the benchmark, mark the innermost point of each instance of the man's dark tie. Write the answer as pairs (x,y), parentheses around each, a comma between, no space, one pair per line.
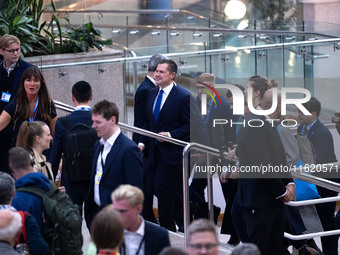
(158,105)
(305,130)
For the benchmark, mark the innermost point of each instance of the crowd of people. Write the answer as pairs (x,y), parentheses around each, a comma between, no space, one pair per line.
(112,179)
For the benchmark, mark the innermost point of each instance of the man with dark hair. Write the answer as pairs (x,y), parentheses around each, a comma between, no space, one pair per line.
(322,140)
(257,211)
(142,94)
(168,114)
(81,97)
(116,159)
(11,70)
(139,121)
(20,163)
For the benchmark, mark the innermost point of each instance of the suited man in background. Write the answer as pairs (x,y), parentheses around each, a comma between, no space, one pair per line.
(139,121)
(116,159)
(141,95)
(140,236)
(258,207)
(168,114)
(322,140)
(11,70)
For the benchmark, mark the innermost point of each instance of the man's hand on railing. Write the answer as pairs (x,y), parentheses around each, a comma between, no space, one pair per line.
(231,154)
(290,195)
(141,147)
(163,134)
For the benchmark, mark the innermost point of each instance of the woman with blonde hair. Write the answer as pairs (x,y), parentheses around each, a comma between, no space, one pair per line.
(36,138)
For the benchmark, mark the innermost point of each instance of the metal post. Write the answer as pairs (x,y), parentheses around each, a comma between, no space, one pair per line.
(186,203)
(210,189)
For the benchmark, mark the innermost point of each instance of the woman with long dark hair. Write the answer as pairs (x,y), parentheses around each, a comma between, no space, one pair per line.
(33,102)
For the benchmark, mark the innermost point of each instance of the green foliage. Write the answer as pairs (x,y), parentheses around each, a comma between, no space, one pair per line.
(82,38)
(22,18)
(14,21)
(273,9)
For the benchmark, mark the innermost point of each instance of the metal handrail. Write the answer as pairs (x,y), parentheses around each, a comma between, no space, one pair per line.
(190,53)
(212,151)
(157,11)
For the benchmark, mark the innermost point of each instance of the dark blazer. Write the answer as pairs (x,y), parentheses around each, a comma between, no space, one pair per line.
(156,238)
(123,165)
(141,97)
(260,146)
(174,117)
(220,134)
(322,140)
(75,117)
(22,66)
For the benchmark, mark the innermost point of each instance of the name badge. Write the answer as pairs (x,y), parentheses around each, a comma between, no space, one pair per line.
(5,97)
(98,178)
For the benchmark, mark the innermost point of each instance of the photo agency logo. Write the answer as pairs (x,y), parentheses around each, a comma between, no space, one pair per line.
(239,100)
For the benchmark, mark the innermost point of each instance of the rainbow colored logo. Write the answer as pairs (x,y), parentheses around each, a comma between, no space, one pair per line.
(209,93)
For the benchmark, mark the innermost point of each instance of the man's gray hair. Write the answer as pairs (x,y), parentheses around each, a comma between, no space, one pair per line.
(246,249)
(10,225)
(201,225)
(7,188)
(154,61)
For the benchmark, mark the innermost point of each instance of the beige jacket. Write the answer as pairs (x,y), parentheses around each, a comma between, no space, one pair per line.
(40,164)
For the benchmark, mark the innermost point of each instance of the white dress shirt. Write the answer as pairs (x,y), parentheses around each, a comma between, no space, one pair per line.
(132,240)
(99,170)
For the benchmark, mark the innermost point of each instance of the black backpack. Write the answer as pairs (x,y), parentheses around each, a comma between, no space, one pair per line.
(62,221)
(78,142)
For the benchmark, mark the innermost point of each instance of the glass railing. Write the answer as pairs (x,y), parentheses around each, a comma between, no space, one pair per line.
(310,64)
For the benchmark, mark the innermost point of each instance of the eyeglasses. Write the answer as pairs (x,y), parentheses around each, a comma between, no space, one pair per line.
(12,51)
(207,246)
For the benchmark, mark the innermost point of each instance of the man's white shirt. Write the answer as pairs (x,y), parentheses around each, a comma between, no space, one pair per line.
(133,240)
(99,170)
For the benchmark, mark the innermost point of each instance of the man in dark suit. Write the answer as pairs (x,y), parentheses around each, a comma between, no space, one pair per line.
(258,207)
(140,236)
(168,114)
(81,97)
(116,159)
(11,70)
(322,141)
(142,94)
(139,121)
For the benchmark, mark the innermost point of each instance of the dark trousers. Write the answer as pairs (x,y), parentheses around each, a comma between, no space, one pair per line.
(166,181)
(263,227)
(78,191)
(147,213)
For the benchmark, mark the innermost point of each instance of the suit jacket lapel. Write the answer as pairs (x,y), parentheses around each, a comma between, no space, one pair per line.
(154,94)
(168,102)
(313,128)
(113,153)
(147,242)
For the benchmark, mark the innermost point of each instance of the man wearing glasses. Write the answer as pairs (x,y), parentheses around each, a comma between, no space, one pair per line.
(202,238)
(11,70)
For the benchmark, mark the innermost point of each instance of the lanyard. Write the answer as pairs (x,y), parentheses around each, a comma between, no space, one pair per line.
(139,247)
(101,157)
(34,111)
